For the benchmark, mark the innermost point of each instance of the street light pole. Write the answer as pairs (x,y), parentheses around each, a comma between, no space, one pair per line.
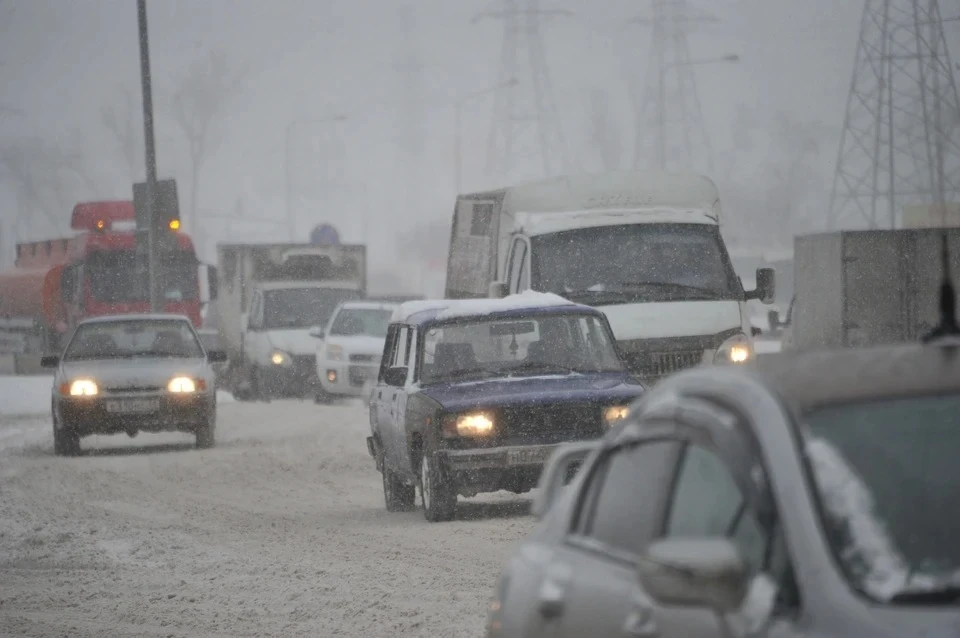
(288,167)
(662,98)
(458,133)
(150,151)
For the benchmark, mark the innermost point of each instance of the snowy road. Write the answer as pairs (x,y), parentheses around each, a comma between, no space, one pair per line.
(279,530)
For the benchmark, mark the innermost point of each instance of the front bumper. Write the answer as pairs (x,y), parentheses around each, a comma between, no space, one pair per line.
(166,413)
(346,379)
(515,468)
(298,379)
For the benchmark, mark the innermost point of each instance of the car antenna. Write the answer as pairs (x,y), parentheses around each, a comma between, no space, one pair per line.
(948,299)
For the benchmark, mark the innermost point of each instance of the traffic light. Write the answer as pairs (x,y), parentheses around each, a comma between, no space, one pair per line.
(166,215)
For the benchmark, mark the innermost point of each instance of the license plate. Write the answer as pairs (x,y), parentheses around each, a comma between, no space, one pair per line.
(529,456)
(126,406)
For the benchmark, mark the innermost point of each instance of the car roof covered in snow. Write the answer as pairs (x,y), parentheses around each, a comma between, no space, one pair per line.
(368,304)
(807,381)
(135,317)
(525,303)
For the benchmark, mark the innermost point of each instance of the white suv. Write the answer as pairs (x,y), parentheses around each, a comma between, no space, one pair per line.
(350,347)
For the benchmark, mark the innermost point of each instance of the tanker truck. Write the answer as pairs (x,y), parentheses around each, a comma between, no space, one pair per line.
(99,271)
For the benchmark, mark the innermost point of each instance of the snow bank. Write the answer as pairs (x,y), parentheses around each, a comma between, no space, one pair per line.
(30,395)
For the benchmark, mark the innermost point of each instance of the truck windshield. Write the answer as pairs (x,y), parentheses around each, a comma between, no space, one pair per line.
(133,339)
(122,276)
(634,262)
(554,344)
(302,307)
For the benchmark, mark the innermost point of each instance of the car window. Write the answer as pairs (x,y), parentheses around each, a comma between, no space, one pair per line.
(706,501)
(133,339)
(400,352)
(624,495)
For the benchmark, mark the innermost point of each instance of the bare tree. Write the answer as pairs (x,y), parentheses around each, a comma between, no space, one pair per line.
(605,136)
(198,106)
(122,119)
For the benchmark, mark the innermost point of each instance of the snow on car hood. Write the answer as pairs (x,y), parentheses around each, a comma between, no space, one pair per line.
(293,341)
(358,344)
(135,372)
(515,391)
(653,320)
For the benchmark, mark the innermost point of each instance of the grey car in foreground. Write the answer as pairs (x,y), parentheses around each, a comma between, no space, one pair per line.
(133,373)
(805,496)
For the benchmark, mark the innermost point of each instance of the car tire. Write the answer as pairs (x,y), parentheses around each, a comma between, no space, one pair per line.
(206,433)
(397,496)
(65,442)
(439,498)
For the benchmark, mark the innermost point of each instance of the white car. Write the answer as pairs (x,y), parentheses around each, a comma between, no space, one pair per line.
(350,348)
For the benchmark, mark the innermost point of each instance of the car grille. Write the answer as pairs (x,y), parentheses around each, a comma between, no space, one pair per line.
(651,359)
(132,388)
(360,374)
(362,358)
(548,424)
(660,364)
(305,366)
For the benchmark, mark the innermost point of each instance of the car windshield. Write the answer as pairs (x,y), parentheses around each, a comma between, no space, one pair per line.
(889,483)
(371,322)
(536,345)
(123,277)
(302,307)
(635,262)
(133,339)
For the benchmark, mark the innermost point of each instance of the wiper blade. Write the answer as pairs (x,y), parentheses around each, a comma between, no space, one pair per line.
(947,595)
(469,372)
(675,286)
(537,365)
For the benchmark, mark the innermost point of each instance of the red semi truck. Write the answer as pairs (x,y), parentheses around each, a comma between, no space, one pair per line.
(97,272)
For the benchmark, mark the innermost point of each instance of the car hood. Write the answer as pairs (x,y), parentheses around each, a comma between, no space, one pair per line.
(295,341)
(135,372)
(358,344)
(519,391)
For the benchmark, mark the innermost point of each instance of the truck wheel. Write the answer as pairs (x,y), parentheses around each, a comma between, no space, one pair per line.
(206,433)
(65,442)
(439,497)
(397,496)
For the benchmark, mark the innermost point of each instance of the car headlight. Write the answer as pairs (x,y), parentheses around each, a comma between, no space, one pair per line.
(185,385)
(83,388)
(470,424)
(615,413)
(335,353)
(736,349)
(280,358)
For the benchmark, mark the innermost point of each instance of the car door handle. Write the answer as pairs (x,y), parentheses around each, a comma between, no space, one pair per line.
(553,592)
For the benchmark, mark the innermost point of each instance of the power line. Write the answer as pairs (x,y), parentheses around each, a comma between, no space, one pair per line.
(899,144)
(526,128)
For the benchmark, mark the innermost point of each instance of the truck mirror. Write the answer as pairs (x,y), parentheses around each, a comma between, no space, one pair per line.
(212,282)
(766,286)
(498,290)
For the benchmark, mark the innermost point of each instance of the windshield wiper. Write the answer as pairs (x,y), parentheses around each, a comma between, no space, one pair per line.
(946,595)
(714,294)
(537,365)
(470,372)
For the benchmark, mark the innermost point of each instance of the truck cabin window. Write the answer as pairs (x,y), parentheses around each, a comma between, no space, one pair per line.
(296,308)
(133,339)
(634,262)
(122,276)
(542,345)
(370,322)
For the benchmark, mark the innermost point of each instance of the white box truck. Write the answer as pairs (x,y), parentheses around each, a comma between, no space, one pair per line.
(272,296)
(646,248)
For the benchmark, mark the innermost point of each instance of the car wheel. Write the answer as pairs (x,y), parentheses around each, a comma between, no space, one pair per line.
(65,442)
(439,498)
(206,433)
(397,496)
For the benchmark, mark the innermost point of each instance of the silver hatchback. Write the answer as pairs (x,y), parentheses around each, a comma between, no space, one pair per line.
(812,495)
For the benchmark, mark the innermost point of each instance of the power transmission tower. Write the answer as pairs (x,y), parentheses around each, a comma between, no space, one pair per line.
(670,131)
(411,137)
(526,129)
(899,144)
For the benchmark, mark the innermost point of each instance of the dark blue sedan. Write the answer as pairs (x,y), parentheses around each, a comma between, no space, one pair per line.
(473,396)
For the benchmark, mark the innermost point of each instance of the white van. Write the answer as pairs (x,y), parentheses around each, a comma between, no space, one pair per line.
(646,248)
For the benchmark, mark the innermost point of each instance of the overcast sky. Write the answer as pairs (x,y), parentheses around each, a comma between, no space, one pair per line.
(63,60)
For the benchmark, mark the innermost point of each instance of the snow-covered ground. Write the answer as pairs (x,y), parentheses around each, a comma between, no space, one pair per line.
(279,530)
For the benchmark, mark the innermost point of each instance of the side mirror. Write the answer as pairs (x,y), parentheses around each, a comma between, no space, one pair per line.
(766,286)
(498,290)
(695,572)
(316,332)
(50,361)
(213,283)
(216,356)
(556,472)
(395,376)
